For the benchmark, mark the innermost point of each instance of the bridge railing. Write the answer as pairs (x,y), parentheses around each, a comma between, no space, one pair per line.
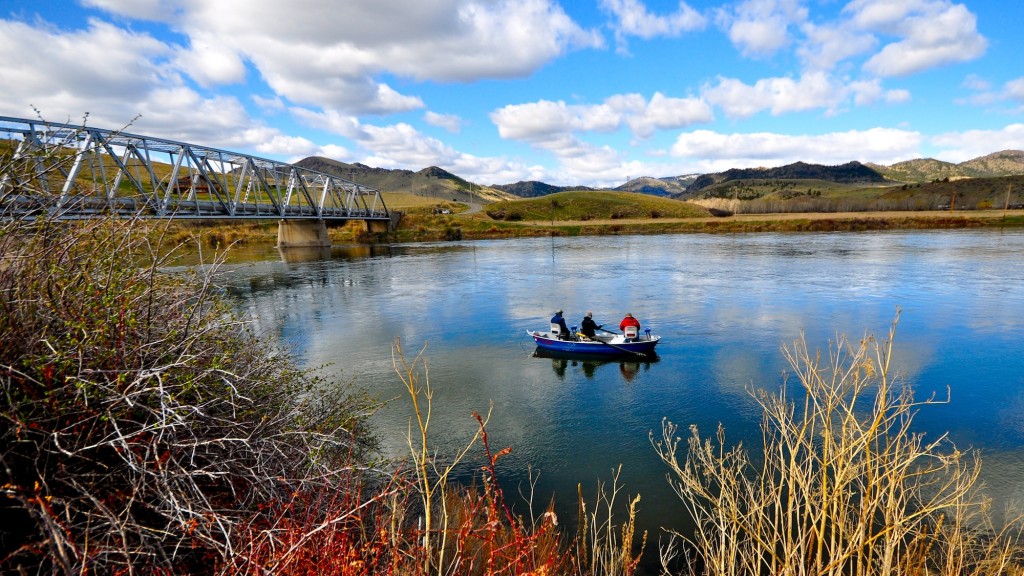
(71,172)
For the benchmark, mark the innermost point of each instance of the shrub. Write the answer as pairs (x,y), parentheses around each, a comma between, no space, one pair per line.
(142,422)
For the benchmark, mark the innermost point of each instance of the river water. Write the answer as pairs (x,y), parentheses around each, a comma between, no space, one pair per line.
(724,305)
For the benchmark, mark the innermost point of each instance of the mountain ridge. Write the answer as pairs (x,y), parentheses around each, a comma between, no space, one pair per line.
(435,181)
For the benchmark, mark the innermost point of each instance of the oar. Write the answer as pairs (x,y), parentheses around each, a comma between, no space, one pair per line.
(620,348)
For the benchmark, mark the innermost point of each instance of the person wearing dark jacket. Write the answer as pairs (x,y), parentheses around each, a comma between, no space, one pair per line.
(557,319)
(588,327)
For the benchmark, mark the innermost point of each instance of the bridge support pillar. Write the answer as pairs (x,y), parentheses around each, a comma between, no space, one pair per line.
(382,226)
(302,233)
(376,226)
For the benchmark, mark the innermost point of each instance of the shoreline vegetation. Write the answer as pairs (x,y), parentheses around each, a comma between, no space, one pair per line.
(147,429)
(570,214)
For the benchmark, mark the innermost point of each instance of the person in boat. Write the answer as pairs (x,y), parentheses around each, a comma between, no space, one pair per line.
(629,321)
(588,327)
(563,330)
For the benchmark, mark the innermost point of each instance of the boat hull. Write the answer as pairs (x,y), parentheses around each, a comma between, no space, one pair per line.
(606,346)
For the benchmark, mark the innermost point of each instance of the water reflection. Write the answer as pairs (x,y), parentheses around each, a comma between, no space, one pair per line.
(588,365)
(724,303)
(301,254)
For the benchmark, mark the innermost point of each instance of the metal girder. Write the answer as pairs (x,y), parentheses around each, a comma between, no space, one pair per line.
(71,172)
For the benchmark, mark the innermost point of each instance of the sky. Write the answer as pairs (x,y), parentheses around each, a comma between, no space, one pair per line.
(568,92)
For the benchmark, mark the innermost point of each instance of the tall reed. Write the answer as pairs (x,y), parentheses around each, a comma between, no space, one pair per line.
(843,484)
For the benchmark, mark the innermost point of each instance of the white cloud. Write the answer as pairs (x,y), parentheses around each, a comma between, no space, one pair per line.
(760,28)
(812,91)
(779,95)
(665,113)
(977,83)
(931,33)
(210,63)
(881,145)
(963,146)
(402,146)
(449,122)
(1014,89)
(273,104)
(633,19)
(824,46)
(984,95)
(548,124)
(331,55)
(157,10)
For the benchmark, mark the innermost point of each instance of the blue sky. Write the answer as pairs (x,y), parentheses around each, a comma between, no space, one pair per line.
(568,92)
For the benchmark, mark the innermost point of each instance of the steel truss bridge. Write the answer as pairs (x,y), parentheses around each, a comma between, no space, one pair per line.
(64,171)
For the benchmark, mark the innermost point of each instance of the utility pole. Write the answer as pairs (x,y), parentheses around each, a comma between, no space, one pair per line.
(1006,204)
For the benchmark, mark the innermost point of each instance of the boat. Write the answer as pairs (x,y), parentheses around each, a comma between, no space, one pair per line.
(601,345)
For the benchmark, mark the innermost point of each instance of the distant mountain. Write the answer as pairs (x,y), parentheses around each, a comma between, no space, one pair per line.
(431,181)
(1005,163)
(851,172)
(654,186)
(533,189)
(437,182)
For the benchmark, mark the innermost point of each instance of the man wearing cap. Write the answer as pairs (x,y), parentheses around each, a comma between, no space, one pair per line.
(563,330)
(588,327)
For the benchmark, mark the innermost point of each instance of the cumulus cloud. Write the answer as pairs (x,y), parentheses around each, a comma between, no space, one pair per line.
(760,28)
(826,45)
(963,146)
(401,146)
(118,77)
(778,95)
(929,33)
(633,19)
(811,91)
(1014,89)
(984,95)
(449,122)
(331,55)
(881,145)
(548,124)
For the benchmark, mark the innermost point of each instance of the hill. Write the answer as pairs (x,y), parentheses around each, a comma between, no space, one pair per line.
(797,179)
(657,186)
(1004,163)
(430,182)
(533,189)
(593,205)
(849,173)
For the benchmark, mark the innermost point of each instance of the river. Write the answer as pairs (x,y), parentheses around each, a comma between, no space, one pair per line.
(724,305)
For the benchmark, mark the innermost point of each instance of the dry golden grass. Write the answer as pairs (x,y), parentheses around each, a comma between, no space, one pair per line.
(844,484)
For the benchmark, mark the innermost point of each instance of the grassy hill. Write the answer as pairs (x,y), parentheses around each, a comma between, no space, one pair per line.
(657,186)
(591,205)
(1004,163)
(431,182)
(533,189)
(720,185)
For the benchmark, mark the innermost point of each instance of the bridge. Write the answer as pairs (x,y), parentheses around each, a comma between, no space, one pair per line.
(68,172)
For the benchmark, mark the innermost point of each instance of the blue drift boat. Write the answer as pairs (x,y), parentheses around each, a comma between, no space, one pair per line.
(601,345)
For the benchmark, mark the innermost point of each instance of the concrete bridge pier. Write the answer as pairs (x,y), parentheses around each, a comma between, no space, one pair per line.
(302,234)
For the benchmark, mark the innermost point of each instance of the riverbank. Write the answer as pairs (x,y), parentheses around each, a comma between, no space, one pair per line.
(480,226)
(421,225)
